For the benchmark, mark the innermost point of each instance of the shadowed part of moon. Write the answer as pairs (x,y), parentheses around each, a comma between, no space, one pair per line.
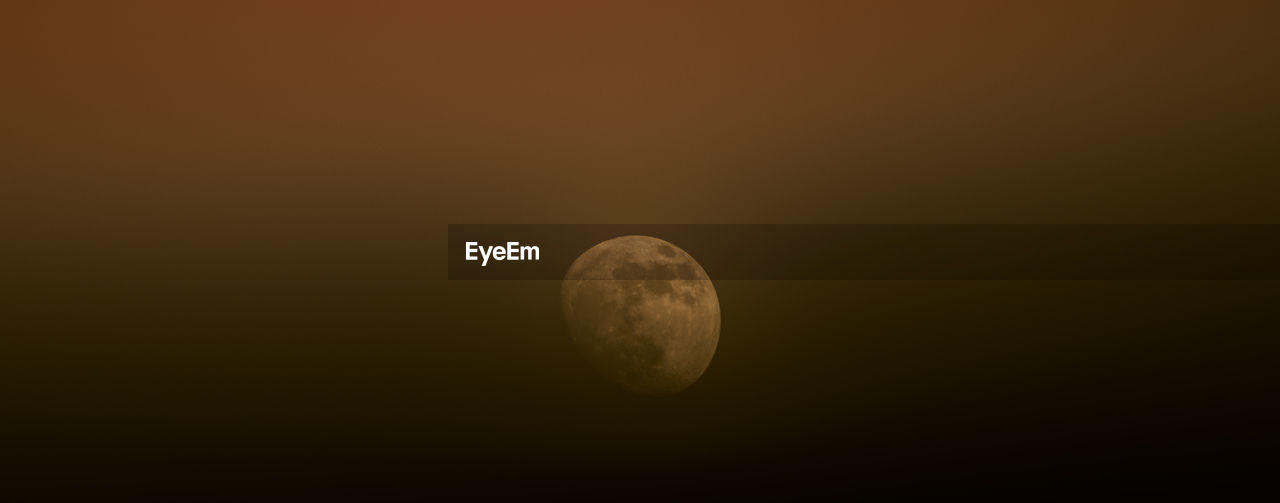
(643,312)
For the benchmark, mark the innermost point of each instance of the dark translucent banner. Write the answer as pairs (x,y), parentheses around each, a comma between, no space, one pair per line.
(890,252)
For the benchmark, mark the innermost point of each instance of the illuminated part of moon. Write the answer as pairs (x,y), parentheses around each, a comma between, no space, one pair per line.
(643,313)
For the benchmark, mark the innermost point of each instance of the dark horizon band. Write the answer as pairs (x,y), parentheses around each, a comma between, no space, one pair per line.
(902,251)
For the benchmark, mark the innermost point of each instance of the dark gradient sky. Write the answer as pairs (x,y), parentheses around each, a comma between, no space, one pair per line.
(225,230)
(1151,112)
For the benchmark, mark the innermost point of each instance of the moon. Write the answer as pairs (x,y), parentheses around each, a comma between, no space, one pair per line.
(643,312)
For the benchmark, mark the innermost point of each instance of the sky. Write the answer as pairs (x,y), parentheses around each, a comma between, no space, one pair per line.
(226,225)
